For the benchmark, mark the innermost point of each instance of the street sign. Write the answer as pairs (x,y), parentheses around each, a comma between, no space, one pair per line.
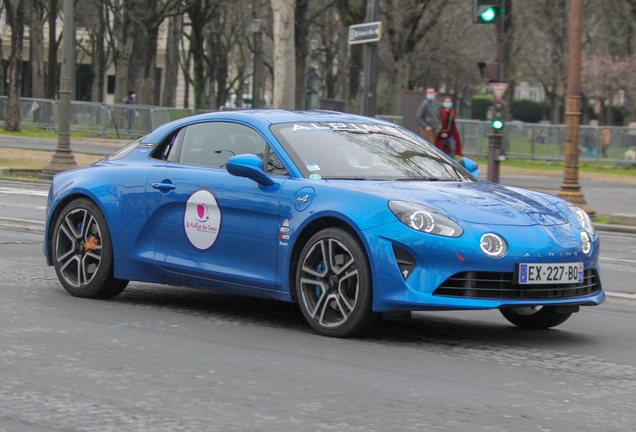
(498,89)
(365,33)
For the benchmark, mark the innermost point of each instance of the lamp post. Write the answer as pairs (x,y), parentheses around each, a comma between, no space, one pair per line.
(570,188)
(63,158)
(256,27)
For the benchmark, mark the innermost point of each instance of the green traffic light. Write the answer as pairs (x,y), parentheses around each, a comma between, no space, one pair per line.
(497,124)
(488,15)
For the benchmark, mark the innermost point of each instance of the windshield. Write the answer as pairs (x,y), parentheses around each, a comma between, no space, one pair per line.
(365,151)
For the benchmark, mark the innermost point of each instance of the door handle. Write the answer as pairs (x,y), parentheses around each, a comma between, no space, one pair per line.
(164,186)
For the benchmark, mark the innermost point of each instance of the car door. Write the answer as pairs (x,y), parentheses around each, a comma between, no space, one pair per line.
(205,222)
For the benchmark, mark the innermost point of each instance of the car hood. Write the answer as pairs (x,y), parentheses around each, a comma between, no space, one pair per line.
(475,202)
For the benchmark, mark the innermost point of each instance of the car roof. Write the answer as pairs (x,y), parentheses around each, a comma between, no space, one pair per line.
(260,118)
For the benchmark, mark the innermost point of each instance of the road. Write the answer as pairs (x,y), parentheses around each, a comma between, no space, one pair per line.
(160,358)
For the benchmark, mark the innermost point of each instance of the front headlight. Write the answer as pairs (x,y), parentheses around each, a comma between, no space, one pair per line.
(422,219)
(583,218)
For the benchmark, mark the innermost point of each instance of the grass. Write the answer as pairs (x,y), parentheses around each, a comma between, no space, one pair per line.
(37,132)
(584,166)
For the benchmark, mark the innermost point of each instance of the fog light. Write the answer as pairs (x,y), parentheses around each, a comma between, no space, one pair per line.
(493,245)
(586,244)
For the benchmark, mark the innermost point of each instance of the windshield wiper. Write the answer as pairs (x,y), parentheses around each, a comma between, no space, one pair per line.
(427,179)
(344,178)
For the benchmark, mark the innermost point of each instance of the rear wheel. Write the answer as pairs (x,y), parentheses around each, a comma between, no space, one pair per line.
(333,284)
(83,252)
(538,317)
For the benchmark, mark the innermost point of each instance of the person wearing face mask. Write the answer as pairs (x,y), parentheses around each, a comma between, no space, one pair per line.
(448,139)
(429,116)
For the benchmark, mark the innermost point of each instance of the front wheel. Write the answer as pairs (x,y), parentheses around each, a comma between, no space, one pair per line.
(539,317)
(333,284)
(83,252)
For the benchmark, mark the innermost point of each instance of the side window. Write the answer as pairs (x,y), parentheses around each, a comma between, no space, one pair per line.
(212,144)
(273,163)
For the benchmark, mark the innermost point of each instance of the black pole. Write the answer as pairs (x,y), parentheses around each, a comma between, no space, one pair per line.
(370,64)
(495,138)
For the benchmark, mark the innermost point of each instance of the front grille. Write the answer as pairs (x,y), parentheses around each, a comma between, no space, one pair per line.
(490,285)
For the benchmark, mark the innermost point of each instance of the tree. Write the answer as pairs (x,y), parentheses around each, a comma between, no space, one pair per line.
(284,54)
(603,76)
(92,16)
(200,14)
(36,48)
(175,31)
(15,18)
(120,37)
(545,48)
(407,23)
(353,12)
(52,72)
(157,11)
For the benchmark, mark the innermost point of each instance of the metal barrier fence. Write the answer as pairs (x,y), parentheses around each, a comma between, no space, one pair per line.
(546,141)
(522,140)
(100,119)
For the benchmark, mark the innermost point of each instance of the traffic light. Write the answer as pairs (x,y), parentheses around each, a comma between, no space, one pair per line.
(498,107)
(485,11)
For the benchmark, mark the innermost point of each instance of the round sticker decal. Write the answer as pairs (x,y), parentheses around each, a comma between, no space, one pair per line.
(202,219)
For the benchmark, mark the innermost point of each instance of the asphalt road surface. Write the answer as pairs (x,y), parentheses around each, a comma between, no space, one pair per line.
(159,358)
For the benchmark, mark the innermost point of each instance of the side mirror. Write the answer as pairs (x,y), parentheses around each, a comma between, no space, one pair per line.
(249,166)
(470,165)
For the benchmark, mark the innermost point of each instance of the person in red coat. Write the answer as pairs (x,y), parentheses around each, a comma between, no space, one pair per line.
(448,139)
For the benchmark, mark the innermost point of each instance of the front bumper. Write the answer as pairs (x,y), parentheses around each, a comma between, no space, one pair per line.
(454,274)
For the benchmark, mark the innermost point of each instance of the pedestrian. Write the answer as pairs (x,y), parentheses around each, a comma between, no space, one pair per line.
(429,115)
(130,112)
(606,140)
(448,139)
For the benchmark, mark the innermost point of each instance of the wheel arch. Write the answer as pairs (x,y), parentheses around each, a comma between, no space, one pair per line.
(307,232)
(55,213)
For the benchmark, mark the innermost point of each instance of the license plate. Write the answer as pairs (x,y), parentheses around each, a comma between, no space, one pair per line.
(563,273)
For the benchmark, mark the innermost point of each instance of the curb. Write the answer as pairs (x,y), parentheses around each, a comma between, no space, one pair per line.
(18,174)
(626,229)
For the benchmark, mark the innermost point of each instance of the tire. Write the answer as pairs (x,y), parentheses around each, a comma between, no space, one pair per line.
(333,284)
(82,252)
(535,318)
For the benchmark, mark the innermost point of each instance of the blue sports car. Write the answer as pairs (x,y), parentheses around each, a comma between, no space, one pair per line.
(350,217)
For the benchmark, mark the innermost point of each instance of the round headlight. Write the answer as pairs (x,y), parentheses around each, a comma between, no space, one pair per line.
(422,221)
(493,245)
(586,243)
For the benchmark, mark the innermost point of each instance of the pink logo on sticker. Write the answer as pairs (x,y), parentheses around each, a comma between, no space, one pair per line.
(202,212)
(202,219)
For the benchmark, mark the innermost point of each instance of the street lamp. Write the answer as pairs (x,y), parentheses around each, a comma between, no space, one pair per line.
(63,158)
(256,27)
(570,188)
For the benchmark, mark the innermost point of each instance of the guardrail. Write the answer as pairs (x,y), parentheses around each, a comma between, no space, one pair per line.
(522,140)
(547,141)
(101,119)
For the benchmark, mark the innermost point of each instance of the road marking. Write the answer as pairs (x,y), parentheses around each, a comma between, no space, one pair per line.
(621,295)
(618,259)
(27,192)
